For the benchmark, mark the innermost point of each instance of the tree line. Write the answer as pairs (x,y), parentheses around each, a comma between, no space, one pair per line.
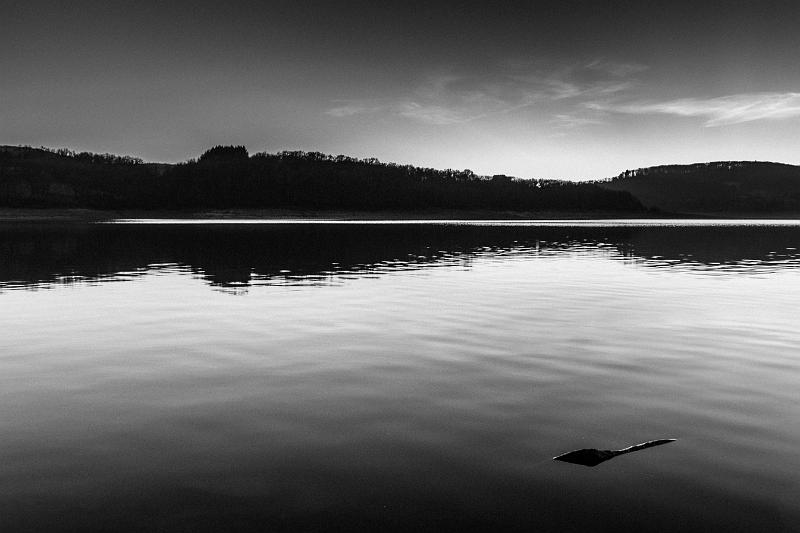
(229,177)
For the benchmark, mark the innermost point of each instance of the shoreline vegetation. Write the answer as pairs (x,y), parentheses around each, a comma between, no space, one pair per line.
(229,178)
(226,182)
(44,214)
(49,214)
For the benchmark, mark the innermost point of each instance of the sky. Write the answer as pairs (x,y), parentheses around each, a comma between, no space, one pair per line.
(556,89)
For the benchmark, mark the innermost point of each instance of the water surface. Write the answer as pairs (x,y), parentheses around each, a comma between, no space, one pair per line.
(395,376)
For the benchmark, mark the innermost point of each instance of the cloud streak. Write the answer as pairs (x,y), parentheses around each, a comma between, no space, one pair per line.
(719,111)
(570,97)
(440,115)
(350,109)
(617,69)
(450,99)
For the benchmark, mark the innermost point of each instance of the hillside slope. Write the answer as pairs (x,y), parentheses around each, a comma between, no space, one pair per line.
(36,177)
(724,187)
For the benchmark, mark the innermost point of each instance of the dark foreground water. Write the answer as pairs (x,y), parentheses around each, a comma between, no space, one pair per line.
(410,377)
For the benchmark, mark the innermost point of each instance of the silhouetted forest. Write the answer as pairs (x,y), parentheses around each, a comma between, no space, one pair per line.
(228,177)
(718,187)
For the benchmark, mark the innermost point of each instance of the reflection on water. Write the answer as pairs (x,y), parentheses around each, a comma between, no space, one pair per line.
(249,254)
(398,377)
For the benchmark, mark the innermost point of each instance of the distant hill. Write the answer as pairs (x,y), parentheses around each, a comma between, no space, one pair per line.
(39,177)
(229,177)
(722,187)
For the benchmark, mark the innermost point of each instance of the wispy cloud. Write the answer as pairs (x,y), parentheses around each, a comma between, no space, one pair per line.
(447,99)
(570,120)
(719,111)
(350,109)
(422,112)
(566,98)
(620,70)
(432,114)
(560,89)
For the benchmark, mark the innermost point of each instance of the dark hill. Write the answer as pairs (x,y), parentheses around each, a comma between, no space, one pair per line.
(38,177)
(723,187)
(228,177)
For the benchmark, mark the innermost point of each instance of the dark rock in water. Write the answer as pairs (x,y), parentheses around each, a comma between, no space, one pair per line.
(586,457)
(593,457)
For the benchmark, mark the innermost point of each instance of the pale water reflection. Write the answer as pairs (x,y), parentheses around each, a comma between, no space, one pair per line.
(398,376)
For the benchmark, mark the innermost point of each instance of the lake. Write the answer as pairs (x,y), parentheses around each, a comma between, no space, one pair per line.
(327,376)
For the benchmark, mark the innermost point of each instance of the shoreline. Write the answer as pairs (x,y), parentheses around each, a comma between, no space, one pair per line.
(13,214)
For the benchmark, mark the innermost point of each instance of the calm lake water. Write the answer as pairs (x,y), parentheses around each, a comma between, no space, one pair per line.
(410,377)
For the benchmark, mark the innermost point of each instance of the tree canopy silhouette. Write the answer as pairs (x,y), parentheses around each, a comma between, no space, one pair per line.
(224,154)
(228,177)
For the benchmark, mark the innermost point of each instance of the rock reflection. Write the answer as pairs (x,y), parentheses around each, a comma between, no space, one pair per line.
(234,257)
